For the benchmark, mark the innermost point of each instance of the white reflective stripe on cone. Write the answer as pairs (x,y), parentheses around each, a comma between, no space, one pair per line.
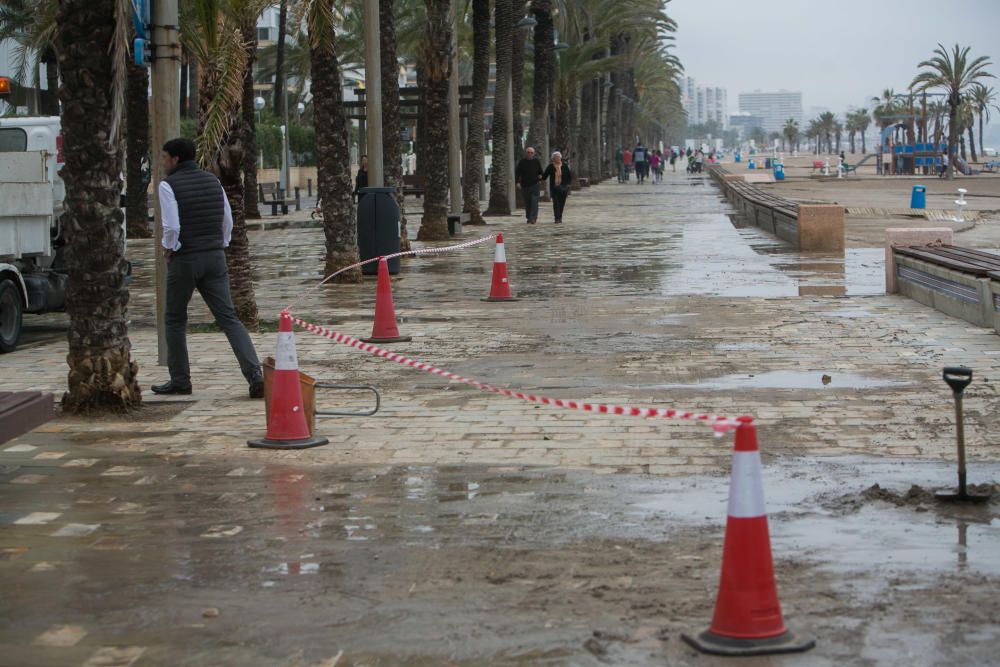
(746,488)
(501,254)
(284,356)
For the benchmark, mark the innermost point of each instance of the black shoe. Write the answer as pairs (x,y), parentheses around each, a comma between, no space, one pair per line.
(171,387)
(257,388)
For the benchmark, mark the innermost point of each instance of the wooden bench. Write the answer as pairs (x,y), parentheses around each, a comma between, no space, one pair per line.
(961,282)
(23,411)
(271,194)
(413,184)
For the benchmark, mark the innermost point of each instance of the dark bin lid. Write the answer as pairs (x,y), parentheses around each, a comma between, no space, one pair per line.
(378,190)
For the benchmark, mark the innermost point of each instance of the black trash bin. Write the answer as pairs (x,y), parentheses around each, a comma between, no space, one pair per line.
(378,228)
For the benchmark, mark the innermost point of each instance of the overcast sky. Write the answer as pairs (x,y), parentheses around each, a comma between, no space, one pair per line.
(837,52)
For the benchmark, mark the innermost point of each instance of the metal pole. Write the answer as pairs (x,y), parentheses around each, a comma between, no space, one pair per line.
(373,95)
(166,125)
(454,121)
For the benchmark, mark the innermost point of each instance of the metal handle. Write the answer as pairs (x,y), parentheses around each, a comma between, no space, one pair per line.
(349,387)
(958,378)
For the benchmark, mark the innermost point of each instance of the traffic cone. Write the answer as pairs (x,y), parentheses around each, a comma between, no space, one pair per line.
(384,330)
(500,289)
(286,424)
(747,618)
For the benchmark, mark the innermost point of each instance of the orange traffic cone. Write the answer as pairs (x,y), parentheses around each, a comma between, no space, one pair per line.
(384,329)
(286,424)
(500,289)
(747,618)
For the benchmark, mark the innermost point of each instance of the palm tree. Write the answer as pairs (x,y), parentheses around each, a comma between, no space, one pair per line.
(956,74)
(791,131)
(538,133)
(828,121)
(212,32)
(278,94)
(504,29)
(93,47)
(862,120)
(252,211)
(137,152)
(967,114)
(474,147)
(885,108)
(391,152)
(437,61)
(983,97)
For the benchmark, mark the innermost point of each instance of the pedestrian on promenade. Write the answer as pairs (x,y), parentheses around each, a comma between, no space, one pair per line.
(197,227)
(527,177)
(640,156)
(620,164)
(361,180)
(673,159)
(560,178)
(627,161)
(654,165)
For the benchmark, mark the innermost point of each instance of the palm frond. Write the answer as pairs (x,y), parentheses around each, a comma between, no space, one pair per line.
(228,63)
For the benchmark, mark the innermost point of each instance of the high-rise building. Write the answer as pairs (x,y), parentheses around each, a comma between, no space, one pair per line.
(773,108)
(703,104)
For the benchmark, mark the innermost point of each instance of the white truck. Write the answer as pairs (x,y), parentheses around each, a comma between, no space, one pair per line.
(32,274)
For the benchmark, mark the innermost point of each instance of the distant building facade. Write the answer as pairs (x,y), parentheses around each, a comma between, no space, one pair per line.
(773,108)
(745,122)
(703,104)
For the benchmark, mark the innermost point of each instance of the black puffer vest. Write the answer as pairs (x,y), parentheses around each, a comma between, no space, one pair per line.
(199,206)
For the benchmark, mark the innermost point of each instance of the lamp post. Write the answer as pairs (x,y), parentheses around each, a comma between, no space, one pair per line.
(258,105)
(373,95)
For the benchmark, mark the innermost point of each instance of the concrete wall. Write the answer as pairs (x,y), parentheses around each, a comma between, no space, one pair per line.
(951,292)
(910,236)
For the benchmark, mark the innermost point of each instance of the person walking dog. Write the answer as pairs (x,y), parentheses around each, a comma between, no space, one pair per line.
(197,227)
(560,177)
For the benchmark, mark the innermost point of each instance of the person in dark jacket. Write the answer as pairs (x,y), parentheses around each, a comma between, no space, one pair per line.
(528,175)
(361,180)
(197,227)
(560,178)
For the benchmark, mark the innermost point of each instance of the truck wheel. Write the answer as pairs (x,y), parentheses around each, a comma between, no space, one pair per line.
(10,315)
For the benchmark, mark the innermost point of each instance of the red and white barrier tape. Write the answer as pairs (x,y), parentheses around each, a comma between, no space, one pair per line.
(721,424)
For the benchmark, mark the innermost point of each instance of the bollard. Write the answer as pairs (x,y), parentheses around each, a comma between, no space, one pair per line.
(840,167)
(826,167)
(309,187)
(959,204)
(918,198)
(298,199)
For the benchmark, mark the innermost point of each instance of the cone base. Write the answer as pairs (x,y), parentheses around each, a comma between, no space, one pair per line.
(500,298)
(787,642)
(391,339)
(305,443)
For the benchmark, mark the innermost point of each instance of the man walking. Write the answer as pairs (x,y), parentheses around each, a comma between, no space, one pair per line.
(527,177)
(640,156)
(197,227)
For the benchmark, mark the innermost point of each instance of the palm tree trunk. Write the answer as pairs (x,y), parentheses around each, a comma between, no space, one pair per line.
(480,82)
(981,150)
(503,20)
(137,137)
(972,143)
(391,153)
(194,93)
(517,80)
(250,200)
(437,50)
(102,375)
(953,102)
(333,161)
(562,138)
(228,167)
(538,134)
(183,92)
(278,93)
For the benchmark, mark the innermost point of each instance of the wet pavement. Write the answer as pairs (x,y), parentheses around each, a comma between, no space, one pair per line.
(458,527)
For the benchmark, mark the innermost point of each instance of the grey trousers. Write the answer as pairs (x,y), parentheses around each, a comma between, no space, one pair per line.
(531,193)
(207,272)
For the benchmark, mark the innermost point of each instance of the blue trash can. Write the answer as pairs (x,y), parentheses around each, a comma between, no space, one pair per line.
(737,157)
(918,199)
(751,164)
(779,171)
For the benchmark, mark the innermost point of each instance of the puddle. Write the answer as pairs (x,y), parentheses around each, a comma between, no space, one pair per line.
(829,380)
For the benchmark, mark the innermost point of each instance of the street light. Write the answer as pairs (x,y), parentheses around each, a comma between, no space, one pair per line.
(258,105)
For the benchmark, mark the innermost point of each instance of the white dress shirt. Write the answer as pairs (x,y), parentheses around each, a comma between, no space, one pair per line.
(172,222)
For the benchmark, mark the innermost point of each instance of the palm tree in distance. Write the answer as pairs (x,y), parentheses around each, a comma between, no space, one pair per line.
(480,83)
(791,132)
(956,74)
(862,120)
(983,97)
